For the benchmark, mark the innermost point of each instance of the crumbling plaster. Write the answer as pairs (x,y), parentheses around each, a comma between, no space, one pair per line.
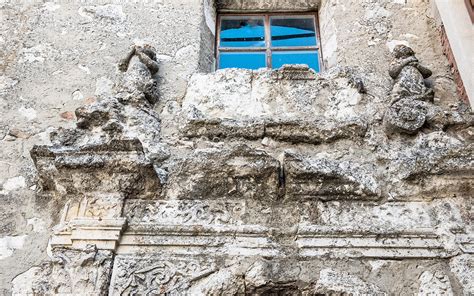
(57,57)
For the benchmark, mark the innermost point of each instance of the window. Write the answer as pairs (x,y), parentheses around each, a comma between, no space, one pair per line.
(270,40)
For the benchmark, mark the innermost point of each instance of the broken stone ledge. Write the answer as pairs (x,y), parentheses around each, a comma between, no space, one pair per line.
(291,104)
(294,131)
(119,166)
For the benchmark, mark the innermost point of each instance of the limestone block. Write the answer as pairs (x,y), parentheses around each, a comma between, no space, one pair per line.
(74,272)
(445,165)
(314,132)
(224,128)
(331,281)
(327,180)
(154,275)
(435,283)
(238,172)
(119,166)
(462,267)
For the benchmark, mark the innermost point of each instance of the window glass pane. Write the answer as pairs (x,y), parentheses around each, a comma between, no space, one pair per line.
(296,31)
(245,60)
(243,32)
(310,58)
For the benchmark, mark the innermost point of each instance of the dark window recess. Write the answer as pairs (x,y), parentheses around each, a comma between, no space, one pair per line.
(259,41)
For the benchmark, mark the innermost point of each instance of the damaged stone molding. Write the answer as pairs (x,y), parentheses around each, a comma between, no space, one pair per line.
(84,271)
(267,5)
(90,171)
(265,108)
(411,106)
(293,131)
(324,178)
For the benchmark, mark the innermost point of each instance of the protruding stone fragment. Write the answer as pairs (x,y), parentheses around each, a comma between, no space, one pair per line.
(239,172)
(327,180)
(343,283)
(406,116)
(314,132)
(434,284)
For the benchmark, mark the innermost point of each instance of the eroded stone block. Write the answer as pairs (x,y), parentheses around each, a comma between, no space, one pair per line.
(314,132)
(238,172)
(327,179)
(118,167)
(291,104)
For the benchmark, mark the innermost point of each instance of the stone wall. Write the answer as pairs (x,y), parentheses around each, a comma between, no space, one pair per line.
(56,57)
(235,181)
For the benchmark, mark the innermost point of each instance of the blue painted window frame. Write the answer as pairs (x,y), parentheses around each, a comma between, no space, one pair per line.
(269,49)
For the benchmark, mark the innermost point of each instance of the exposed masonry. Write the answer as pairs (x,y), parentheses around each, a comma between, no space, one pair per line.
(206,209)
(174,181)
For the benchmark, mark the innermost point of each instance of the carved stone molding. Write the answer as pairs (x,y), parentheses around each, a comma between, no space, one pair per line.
(308,242)
(152,275)
(83,271)
(80,232)
(326,179)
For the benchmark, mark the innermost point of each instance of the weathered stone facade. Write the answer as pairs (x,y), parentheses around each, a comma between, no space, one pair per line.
(187,181)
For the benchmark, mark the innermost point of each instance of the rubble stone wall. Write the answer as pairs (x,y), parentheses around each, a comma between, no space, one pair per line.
(194,181)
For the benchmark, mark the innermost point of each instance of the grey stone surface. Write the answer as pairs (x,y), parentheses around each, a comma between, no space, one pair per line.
(74,272)
(181,180)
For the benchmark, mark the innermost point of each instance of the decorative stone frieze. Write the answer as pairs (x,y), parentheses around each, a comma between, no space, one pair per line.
(152,275)
(325,179)
(411,106)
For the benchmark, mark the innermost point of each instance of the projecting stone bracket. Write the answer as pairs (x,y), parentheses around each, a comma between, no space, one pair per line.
(128,170)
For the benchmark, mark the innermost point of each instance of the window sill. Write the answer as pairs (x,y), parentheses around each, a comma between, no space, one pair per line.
(292,103)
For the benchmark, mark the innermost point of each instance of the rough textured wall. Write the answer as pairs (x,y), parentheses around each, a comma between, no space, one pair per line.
(54,58)
(235,181)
